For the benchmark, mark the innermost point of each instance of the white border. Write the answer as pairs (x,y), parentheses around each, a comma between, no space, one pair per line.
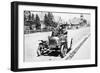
(22,64)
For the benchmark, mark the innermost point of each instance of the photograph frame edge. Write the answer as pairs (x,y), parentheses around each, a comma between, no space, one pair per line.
(14,36)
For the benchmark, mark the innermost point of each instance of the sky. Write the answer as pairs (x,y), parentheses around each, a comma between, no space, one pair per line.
(63,17)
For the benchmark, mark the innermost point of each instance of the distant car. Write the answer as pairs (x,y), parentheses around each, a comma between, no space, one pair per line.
(57,44)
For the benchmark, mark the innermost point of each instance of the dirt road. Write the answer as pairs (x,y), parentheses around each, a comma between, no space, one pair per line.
(32,40)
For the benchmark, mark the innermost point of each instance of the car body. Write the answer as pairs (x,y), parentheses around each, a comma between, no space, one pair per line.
(54,45)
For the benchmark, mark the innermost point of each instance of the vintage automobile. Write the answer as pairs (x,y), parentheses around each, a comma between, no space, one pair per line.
(55,44)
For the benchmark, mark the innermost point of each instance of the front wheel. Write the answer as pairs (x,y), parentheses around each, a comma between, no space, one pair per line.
(63,51)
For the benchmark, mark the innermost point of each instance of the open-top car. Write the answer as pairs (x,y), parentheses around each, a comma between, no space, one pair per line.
(55,44)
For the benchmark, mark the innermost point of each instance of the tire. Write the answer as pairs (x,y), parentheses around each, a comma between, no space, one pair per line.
(39,52)
(63,51)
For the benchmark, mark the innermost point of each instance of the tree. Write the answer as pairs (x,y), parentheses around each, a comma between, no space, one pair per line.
(46,21)
(37,22)
(29,17)
(50,18)
(32,17)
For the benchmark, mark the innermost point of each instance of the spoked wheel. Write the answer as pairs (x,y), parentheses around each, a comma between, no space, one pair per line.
(63,51)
